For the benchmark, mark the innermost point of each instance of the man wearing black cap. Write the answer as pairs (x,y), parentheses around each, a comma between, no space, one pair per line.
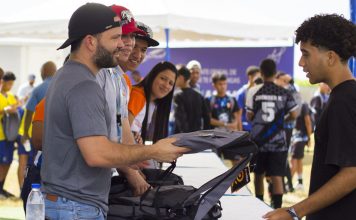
(138,54)
(77,155)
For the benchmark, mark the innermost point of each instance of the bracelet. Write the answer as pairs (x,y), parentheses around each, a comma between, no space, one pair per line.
(292,212)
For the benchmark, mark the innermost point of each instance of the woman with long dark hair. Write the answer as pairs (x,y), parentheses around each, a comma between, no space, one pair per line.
(150,102)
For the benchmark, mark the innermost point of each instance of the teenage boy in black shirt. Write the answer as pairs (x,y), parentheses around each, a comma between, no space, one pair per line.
(224,111)
(190,110)
(223,108)
(327,43)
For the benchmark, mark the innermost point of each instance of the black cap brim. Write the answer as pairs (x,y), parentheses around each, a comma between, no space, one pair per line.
(150,42)
(67,43)
(70,41)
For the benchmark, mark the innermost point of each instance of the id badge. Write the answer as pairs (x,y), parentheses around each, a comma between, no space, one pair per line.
(241,180)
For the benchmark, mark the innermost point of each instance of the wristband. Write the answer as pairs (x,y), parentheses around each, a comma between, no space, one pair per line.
(292,212)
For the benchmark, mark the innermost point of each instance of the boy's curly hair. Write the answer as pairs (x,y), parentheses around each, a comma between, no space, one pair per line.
(330,31)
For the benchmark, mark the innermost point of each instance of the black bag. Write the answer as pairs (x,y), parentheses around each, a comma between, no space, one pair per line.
(182,202)
(154,177)
(11,123)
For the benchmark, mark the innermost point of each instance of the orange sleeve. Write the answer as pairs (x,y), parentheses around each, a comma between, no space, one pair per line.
(128,81)
(137,100)
(39,111)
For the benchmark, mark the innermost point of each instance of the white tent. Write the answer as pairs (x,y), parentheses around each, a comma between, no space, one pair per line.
(33,29)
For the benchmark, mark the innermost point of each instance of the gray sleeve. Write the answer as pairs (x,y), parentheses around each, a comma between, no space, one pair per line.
(86,109)
(101,78)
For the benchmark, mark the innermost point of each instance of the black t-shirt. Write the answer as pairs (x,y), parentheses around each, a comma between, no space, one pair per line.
(222,108)
(335,148)
(300,127)
(190,111)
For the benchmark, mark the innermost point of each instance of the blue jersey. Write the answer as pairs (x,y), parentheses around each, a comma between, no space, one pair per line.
(270,104)
(241,100)
(222,108)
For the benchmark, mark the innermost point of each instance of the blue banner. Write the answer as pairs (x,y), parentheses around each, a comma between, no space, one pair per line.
(231,61)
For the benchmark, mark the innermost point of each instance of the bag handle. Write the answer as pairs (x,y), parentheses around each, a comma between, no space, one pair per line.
(163,177)
(215,188)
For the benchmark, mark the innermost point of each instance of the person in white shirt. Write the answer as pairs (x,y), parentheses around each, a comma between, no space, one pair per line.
(25,89)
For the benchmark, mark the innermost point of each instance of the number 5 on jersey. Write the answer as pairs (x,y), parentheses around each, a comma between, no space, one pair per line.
(268,111)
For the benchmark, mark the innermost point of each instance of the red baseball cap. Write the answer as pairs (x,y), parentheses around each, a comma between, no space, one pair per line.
(129,24)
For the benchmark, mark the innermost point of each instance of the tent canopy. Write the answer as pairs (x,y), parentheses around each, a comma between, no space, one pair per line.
(182,29)
(229,22)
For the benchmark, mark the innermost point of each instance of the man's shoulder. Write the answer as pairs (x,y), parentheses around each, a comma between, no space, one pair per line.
(191,91)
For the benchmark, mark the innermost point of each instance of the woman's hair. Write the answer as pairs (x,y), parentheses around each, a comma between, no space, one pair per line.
(163,105)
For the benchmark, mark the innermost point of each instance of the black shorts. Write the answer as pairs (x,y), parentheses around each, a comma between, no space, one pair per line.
(298,150)
(33,176)
(271,163)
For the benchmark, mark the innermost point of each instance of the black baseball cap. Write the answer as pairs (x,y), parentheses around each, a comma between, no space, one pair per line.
(149,34)
(91,18)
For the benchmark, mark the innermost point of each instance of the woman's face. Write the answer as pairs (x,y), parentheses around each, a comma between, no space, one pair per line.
(163,84)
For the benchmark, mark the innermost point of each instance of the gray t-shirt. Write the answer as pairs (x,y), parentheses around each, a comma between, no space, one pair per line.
(75,107)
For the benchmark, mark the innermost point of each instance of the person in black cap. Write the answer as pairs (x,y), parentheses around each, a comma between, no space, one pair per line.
(77,154)
(138,54)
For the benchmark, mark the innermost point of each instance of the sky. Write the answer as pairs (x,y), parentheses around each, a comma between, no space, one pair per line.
(276,12)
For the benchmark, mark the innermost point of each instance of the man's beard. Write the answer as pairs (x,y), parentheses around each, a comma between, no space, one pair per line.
(104,58)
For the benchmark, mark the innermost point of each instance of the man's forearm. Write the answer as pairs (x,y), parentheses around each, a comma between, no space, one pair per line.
(28,120)
(216,122)
(98,151)
(336,188)
(126,136)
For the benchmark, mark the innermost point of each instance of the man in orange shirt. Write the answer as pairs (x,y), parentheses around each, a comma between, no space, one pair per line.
(33,171)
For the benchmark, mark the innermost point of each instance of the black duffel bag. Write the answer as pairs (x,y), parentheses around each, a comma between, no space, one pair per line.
(182,202)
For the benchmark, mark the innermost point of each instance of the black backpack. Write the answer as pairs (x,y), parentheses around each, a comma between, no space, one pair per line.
(11,123)
(183,202)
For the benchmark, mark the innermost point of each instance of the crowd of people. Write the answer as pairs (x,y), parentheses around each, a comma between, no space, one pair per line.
(87,121)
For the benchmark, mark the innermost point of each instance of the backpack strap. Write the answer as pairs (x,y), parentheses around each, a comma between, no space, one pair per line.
(232,103)
(215,189)
(163,177)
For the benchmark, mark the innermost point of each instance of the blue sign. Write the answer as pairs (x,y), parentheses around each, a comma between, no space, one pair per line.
(231,61)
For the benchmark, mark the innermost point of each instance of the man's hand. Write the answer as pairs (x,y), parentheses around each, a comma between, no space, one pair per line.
(141,165)
(138,138)
(137,183)
(165,151)
(10,109)
(24,138)
(278,214)
(231,126)
(309,143)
